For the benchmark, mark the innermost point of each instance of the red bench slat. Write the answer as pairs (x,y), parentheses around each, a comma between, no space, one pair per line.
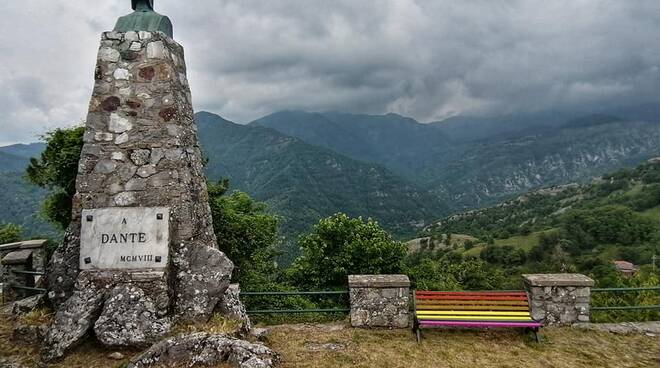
(490,293)
(470,297)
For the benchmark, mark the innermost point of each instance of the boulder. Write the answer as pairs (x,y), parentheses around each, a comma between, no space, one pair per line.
(129,318)
(204,349)
(231,307)
(62,269)
(203,277)
(7,363)
(29,334)
(73,320)
(27,305)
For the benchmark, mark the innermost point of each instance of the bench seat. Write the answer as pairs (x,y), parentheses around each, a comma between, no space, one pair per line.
(490,309)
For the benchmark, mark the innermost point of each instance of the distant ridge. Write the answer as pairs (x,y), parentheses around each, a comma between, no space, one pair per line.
(303,182)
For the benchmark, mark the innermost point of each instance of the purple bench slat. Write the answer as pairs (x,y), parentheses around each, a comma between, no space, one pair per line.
(424,323)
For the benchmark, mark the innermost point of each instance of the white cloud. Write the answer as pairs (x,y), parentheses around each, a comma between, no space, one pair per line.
(423,58)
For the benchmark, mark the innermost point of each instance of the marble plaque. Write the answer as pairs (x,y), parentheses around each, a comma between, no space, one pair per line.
(122,238)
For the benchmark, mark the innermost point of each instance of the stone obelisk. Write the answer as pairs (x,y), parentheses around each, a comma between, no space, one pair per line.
(140,253)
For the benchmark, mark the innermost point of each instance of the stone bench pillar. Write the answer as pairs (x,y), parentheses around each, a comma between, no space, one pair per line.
(559,299)
(379,300)
(19,260)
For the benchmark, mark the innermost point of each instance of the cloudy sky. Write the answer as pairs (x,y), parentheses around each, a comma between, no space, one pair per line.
(428,59)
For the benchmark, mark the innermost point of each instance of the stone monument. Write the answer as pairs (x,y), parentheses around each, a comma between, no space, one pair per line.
(140,253)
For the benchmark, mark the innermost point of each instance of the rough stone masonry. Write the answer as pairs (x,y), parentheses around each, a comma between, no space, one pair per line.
(140,150)
(559,299)
(379,300)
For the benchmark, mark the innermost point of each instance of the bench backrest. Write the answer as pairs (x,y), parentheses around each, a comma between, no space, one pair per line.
(491,305)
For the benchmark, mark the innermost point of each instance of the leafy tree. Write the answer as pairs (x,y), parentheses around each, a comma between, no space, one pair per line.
(451,271)
(246,232)
(10,233)
(430,274)
(607,224)
(339,246)
(56,170)
(505,255)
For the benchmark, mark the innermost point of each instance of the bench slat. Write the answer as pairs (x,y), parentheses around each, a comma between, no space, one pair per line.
(471,313)
(473,318)
(470,297)
(480,324)
(473,302)
(450,307)
(478,293)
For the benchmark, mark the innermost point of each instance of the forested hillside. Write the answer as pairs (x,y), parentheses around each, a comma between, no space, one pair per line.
(567,228)
(303,183)
(21,200)
(470,163)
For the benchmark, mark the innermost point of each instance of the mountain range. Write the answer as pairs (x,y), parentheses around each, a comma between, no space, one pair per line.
(392,168)
(303,182)
(464,168)
(21,200)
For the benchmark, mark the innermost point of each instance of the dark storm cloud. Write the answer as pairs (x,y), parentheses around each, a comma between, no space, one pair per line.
(428,59)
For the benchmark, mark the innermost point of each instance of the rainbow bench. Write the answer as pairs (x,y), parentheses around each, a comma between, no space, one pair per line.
(492,309)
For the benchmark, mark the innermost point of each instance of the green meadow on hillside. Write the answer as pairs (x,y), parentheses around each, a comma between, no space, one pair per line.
(572,228)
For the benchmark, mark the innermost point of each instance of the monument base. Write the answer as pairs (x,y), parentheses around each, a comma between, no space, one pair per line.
(140,152)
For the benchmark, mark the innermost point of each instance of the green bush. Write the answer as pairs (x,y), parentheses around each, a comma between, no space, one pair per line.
(339,246)
(56,170)
(10,233)
(608,224)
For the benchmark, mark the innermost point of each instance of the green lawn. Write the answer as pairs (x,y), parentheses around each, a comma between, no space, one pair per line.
(525,242)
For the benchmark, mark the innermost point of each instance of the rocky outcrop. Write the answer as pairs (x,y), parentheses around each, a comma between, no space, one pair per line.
(27,305)
(204,349)
(73,320)
(204,277)
(649,328)
(8,363)
(28,334)
(129,318)
(231,307)
(62,269)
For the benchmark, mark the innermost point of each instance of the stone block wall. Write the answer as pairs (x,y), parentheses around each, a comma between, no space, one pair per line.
(379,300)
(559,299)
(21,256)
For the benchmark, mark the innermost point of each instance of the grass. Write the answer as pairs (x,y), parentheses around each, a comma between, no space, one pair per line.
(90,353)
(563,347)
(525,242)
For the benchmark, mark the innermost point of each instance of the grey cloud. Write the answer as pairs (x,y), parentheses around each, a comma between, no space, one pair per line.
(428,59)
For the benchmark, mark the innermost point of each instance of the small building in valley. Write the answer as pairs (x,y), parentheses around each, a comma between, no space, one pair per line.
(626,268)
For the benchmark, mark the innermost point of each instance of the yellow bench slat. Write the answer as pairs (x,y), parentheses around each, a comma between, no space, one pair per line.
(464,313)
